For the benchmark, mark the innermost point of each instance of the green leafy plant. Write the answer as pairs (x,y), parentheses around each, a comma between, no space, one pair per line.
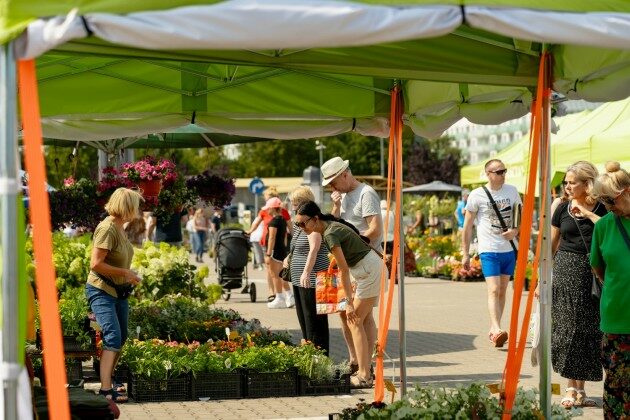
(71,257)
(166,270)
(157,359)
(73,311)
(473,401)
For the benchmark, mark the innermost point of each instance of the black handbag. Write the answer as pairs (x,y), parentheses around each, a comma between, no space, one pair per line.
(123,291)
(596,285)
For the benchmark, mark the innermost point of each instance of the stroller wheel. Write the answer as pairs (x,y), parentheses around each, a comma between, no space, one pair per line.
(226,295)
(252,292)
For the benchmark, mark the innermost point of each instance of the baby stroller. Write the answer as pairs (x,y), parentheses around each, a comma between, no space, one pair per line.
(231,256)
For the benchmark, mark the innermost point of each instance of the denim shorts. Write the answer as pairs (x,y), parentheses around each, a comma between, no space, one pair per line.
(112,315)
(495,264)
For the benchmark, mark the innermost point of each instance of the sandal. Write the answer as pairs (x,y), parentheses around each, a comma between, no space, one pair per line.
(271,298)
(569,402)
(354,368)
(581,400)
(499,339)
(111,394)
(358,383)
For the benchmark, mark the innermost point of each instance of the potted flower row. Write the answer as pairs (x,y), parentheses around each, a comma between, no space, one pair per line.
(184,318)
(227,369)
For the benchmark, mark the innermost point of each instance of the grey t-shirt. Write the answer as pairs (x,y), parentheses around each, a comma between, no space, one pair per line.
(358,204)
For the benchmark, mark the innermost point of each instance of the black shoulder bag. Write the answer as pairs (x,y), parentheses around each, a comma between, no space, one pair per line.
(596,286)
(496,210)
(123,291)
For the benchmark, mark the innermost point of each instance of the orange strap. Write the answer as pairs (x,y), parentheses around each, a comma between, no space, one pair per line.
(516,350)
(394,170)
(42,244)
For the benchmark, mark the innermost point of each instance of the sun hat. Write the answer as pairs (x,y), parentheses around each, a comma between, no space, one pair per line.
(273,202)
(332,168)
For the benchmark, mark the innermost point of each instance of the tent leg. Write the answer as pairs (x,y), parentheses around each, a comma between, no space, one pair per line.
(545,274)
(9,185)
(402,331)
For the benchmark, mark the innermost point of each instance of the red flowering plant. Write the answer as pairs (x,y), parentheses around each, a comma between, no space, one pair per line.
(111,180)
(148,169)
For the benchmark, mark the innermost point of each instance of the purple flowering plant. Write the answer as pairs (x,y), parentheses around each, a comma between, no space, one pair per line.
(213,188)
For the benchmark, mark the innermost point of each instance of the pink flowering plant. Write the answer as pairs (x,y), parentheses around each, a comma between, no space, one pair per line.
(148,169)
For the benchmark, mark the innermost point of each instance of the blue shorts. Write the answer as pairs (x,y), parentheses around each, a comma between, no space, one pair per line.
(112,315)
(495,264)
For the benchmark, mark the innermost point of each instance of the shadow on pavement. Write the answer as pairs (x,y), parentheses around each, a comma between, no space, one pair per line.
(418,343)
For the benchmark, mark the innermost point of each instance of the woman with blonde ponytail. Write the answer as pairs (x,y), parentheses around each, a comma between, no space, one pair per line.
(610,259)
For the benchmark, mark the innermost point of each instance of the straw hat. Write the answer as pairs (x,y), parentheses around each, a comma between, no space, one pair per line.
(332,168)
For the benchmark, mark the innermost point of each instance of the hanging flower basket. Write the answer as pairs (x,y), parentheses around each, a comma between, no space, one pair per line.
(150,188)
(212,188)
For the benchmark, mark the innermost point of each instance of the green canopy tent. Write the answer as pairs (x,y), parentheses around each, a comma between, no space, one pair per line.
(293,69)
(596,136)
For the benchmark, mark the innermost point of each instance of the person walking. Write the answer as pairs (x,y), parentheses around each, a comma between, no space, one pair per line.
(264,218)
(490,207)
(108,278)
(575,335)
(357,261)
(276,252)
(308,256)
(201,231)
(610,259)
(358,204)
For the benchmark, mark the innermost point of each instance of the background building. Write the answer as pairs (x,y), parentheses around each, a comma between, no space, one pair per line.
(482,142)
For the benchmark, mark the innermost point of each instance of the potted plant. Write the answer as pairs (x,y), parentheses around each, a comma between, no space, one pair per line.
(148,173)
(75,204)
(78,337)
(212,188)
(172,198)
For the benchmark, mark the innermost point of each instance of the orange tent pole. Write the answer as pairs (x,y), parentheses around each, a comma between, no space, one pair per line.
(385,302)
(54,363)
(516,350)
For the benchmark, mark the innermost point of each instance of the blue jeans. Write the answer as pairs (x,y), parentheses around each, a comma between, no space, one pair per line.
(201,242)
(112,315)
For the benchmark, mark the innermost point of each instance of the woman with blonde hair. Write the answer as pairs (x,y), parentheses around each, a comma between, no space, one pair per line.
(308,256)
(110,281)
(610,259)
(574,314)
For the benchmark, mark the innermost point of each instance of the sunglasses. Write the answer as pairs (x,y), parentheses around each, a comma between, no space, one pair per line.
(500,172)
(609,201)
(302,225)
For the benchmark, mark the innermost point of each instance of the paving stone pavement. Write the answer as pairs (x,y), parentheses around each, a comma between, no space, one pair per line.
(447,344)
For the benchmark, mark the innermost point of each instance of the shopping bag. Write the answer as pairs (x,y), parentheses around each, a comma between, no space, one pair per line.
(329,294)
(534,334)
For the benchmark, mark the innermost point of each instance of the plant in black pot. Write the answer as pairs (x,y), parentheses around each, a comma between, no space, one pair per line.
(214,189)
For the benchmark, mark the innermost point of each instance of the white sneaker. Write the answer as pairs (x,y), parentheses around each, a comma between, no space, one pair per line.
(277,303)
(290,301)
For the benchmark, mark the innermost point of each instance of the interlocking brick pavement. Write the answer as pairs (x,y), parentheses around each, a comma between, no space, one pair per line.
(447,344)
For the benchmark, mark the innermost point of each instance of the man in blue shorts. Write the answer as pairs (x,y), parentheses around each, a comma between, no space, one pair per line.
(495,250)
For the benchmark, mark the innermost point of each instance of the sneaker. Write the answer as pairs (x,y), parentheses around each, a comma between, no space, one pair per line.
(290,301)
(277,303)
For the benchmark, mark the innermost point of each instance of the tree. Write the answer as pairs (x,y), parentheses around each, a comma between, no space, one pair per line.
(64,162)
(431,160)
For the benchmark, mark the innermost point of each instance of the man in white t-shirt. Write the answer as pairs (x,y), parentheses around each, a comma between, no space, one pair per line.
(358,204)
(495,244)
